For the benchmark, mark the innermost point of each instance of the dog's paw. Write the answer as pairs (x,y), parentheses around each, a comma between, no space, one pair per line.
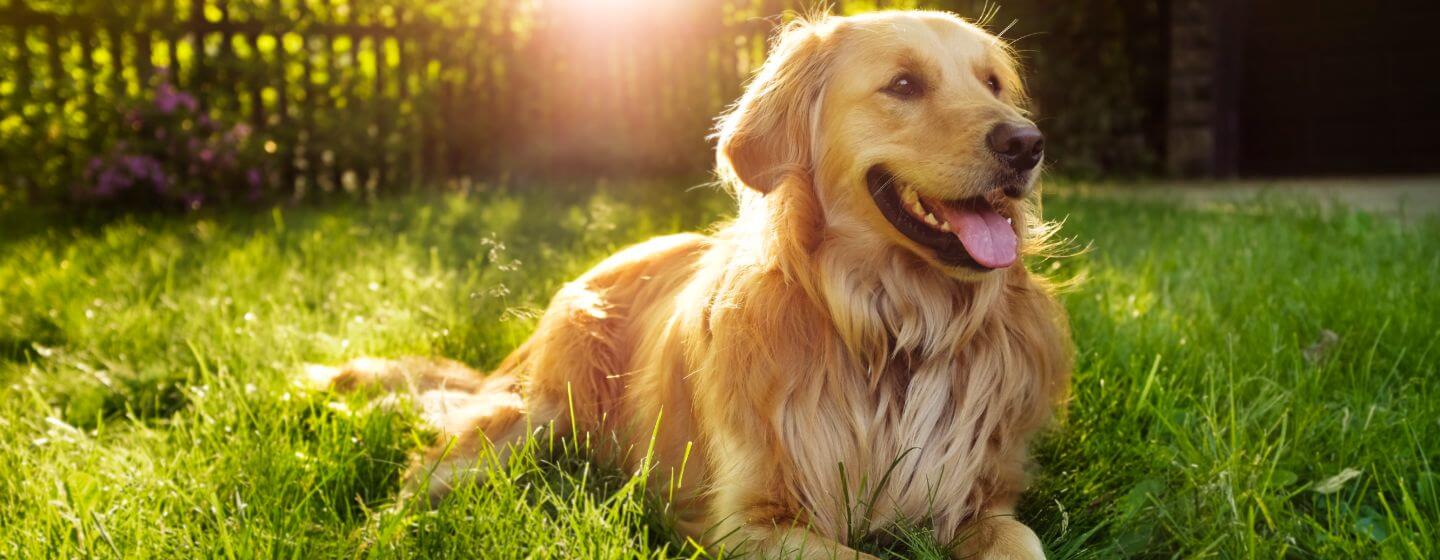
(319,377)
(350,376)
(1024,547)
(1000,537)
(1014,541)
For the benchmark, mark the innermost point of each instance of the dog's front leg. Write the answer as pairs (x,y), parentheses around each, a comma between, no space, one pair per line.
(751,518)
(782,539)
(997,535)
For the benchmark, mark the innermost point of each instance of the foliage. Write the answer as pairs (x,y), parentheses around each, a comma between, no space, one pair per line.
(174,154)
(357,95)
(147,406)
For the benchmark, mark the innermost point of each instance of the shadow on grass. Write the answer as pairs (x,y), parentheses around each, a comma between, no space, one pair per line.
(25,338)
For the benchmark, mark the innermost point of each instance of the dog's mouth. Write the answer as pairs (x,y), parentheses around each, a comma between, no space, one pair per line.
(967,232)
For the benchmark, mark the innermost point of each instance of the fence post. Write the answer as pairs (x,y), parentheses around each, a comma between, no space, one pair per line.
(199,75)
(116,36)
(406,43)
(286,146)
(24,91)
(332,100)
(225,72)
(378,109)
(256,79)
(308,108)
(144,56)
(86,34)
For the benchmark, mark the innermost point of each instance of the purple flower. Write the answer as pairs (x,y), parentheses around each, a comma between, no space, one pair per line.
(176,158)
(112,181)
(161,181)
(239,133)
(135,165)
(168,99)
(188,101)
(142,167)
(194,200)
(125,171)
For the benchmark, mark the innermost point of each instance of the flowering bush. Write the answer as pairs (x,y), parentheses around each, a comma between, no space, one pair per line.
(175,154)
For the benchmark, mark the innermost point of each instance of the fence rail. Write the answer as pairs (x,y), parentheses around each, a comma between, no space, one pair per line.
(367,95)
(314,86)
(386,95)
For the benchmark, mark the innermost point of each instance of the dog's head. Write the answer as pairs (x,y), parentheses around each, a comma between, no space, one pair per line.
(910,128)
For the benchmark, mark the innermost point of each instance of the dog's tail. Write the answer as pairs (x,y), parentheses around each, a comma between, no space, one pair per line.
(447,394)
(470,411)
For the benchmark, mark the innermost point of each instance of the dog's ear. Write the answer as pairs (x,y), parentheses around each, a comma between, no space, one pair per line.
(767,136)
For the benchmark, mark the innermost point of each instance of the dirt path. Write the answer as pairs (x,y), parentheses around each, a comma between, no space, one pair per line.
(1409,198)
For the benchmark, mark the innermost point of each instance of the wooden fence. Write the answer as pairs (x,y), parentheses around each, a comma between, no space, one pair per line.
(308,83)
(371,94)
(367,95)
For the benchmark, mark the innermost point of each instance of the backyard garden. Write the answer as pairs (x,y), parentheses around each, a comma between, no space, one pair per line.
(1254,378)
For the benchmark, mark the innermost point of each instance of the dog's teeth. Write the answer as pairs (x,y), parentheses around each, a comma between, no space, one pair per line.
(945,227)
(930,219)
(1009,221)
(909,196)
(917,208)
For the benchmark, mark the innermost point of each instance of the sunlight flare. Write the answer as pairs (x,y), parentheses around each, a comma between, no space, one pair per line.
(602,13)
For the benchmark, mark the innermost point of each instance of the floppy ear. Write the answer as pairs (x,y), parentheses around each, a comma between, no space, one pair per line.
(767,136)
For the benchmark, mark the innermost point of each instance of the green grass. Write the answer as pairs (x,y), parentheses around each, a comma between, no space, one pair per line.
(147,407)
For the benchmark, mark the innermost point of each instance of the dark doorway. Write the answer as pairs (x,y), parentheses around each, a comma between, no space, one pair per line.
(1336,87)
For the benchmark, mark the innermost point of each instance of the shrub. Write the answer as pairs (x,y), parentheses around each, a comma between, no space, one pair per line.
(175,154)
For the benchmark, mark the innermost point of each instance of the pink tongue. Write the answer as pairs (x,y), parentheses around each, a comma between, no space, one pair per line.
(986,235)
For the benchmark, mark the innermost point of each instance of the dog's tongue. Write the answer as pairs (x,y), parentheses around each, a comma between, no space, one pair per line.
(985,233)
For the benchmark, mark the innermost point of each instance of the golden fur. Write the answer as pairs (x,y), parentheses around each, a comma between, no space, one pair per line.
(807,349)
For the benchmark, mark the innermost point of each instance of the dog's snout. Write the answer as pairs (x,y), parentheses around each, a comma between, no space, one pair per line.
(1018,146)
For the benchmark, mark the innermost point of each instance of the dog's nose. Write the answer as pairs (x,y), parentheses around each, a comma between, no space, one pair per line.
(1018,146)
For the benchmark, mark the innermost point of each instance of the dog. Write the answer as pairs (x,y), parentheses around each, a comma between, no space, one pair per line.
(861,342)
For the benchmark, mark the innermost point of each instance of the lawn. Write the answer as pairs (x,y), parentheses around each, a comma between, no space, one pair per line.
(147,407)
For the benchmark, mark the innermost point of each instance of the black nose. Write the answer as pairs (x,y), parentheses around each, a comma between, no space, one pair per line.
(1018,146)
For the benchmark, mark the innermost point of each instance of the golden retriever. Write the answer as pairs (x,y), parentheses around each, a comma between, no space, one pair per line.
(861,341)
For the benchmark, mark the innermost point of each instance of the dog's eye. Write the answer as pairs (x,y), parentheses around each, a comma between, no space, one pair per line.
(994,84)
(904,85)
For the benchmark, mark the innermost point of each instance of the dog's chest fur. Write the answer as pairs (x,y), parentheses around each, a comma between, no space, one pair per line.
(856,401)
(922,416)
